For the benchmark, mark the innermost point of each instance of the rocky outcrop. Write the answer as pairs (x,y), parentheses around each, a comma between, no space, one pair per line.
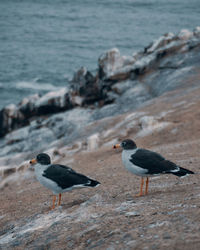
(111,64)
(114,67)
(86,87)
(91,89)
(115,74)
(17,116)
(110,216)
(10,119)
(81,133)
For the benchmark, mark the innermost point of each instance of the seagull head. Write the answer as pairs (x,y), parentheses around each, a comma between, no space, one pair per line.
(42,159)
(127,144)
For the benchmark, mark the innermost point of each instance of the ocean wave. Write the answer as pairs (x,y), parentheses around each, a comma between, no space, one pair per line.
(36,86)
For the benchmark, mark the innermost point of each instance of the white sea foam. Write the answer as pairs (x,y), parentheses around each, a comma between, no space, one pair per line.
(36,86)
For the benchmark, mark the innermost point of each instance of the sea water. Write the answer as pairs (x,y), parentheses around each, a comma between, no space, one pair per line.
(43,42)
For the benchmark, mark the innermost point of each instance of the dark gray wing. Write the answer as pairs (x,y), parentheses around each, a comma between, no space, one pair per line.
(65,177)
(153,162)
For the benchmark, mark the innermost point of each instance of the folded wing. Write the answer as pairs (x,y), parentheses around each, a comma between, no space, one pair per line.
(153,162)
(66,177)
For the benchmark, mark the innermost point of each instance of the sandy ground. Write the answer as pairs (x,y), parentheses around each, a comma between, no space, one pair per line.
(110,216)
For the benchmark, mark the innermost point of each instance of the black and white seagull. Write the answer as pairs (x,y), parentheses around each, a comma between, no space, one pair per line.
(59,178)
(145,163)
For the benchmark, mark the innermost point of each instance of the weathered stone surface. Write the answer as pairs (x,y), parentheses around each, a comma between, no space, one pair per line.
(53,102)
(112,66)
(10,118)
(87,89)
(16,116)
(111,62)
(160,42)
(29,127)
(81,81)
(185,34)
(197,31)
(110,216)
(27,105)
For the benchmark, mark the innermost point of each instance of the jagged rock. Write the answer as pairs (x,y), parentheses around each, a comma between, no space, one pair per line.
(41,134)
(185,34)
(77,100)
(81,80)
(169,52)
(110,64)
(10,118)
(13,117)
(87,89)
(104,217)
(53,102)
(85,86)
(27,105)
(160,42)
(197,31)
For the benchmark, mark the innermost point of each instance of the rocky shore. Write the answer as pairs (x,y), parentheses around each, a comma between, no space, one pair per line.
(115,75)
(121,84)
(153,97)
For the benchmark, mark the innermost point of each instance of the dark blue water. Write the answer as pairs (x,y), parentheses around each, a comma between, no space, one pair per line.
(42,42)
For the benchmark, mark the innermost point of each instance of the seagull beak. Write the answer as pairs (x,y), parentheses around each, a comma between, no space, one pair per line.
(117,146)
(33,161)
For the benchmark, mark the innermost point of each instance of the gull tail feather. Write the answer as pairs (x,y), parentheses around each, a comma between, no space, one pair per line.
(182,172)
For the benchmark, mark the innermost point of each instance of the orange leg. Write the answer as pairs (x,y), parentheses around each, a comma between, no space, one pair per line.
(141,187)
(59,200)
(147,185)
(54,200)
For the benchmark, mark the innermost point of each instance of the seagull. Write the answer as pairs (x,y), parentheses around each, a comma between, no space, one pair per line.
(59,178)
(145,163)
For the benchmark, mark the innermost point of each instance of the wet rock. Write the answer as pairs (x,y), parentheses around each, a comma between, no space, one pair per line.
(81,80)
(86,89)
(185,34)
(43,134)
(53,102)
(197,32)
(10,118)
(16,116)
(77,100)
(113,66)
(63,117)
(110,62)
(166,54)
(160,42)
(27,105)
